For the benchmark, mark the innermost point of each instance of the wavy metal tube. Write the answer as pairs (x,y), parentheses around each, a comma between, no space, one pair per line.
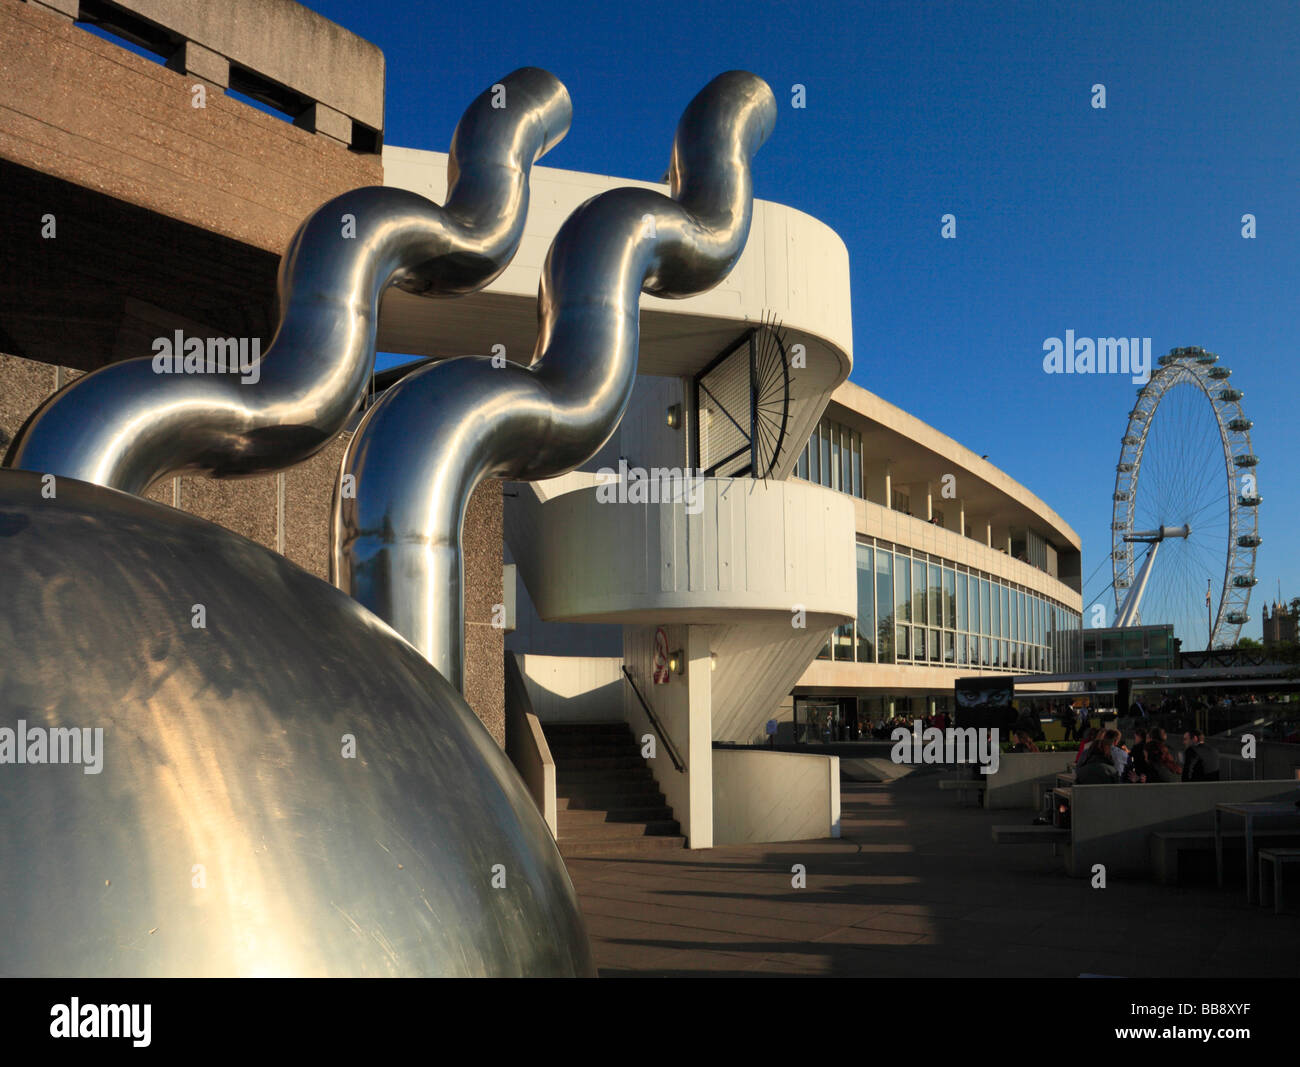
(126,426)
(396,544)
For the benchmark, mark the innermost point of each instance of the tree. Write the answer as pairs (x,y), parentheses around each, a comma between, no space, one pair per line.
(1249,642)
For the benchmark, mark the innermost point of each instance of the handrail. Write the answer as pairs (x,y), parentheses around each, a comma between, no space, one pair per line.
(668,741)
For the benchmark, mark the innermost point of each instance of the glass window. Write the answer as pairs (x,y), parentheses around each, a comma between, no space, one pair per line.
(1004,595)
(918,592)
(1014,632)
(815,456)
(935,617)
(985,616)
(827,477)
(885,606)
(857,465)
(902,589)
(986,659)
(846,460)
(961,649)
(949,652)
(866,606)
(918,642)
(903,642)
(801,468)
(844,642)
(825,653)
(934,646)
(961,602)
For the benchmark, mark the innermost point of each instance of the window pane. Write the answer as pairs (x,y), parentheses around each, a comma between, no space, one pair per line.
(857,465)
(902,590)
(935,617)
(918,592)
(885,606)
(961,649)
(844,642)
(903,643)
(961,601)
(949,599)
(827,477)
(815,455)
(1004,595)
(918,639)
(934,646)
(949,648)
(985,616)
(866,606)
(846,460)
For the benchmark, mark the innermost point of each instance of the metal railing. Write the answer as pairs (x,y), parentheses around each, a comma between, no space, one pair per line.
(654,721)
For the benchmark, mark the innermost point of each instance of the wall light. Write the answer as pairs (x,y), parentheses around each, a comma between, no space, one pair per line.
(675,416)
(713,661)
(676,661)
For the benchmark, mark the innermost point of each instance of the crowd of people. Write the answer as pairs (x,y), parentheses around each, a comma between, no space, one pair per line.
(1103,757)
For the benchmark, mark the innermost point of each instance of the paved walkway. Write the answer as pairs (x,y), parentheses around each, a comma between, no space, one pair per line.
(914,889)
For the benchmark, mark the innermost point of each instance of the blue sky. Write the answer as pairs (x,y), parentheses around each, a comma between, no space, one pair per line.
(1117,222)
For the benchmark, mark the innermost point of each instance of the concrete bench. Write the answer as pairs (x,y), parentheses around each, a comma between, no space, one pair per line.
(1167,848)
(1112,824)
(1279,858)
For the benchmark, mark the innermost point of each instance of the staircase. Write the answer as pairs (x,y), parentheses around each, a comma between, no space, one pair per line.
(607,801)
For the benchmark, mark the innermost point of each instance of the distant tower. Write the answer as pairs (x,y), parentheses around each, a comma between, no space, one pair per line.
(1280,624)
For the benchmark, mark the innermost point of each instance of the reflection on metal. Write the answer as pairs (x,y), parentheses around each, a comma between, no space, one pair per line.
(127,427)
(227,832)
(422,449)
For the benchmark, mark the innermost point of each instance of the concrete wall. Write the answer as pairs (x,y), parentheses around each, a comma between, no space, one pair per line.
(774,796)
(574,688)
(682,706)
(85,110)
(1013,784)
(1111,823)
(527,748)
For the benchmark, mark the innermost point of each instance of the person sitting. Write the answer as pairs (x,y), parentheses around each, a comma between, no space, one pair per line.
(1162,767)
(1137,760)
(1089,735)
(1098,765)
(1118,752)
(1200,761)
(1024,743)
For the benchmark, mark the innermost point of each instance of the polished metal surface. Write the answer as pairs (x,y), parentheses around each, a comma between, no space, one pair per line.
(226,832)
(127,427)
(422,449)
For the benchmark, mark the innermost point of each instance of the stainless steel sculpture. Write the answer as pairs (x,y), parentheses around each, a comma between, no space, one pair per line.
(127,427)
(227,833)
(396,545)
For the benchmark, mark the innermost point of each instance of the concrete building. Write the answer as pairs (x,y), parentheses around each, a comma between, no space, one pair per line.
(759,539)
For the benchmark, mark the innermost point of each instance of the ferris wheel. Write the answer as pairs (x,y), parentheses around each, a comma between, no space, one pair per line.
(1186,489)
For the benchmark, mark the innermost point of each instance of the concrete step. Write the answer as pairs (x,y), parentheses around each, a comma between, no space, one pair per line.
(631,846)
(615,831)
(608,800)
(573,750)
(567,778)
(580,817)
(598,763)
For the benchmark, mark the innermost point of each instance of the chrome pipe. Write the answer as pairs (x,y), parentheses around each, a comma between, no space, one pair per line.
(126,426)
(421,450)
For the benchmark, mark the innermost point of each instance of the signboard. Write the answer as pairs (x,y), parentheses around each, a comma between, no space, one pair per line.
(984,703)
(661,657)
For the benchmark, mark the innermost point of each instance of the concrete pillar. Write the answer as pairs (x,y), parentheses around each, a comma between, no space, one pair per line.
(326,121)
(699,741)
(928,509)
(961,517)
(199,62)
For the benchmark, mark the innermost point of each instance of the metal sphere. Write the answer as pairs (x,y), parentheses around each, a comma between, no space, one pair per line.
(227,831)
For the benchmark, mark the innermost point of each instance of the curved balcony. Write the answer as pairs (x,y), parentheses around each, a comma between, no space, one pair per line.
(714,550)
